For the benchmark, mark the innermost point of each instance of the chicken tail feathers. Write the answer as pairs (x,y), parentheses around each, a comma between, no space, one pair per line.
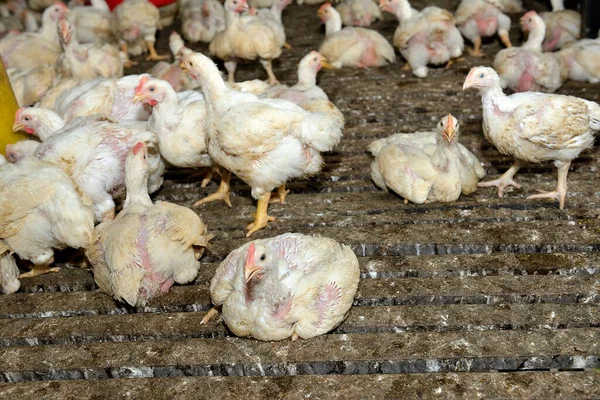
(321,131)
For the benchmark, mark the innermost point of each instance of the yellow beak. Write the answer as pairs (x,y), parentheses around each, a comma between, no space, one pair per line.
(325,64)
(138,97)
(449,132)
(320,12)
(184,68)
(17,126)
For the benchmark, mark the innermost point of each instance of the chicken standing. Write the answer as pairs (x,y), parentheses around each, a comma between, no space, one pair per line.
(41,209)
(358,12)
(424,167)
(94,24)
(583,60)
(424,37)
(91,60)
(306,93)
(482,18)
(92,150)
(180,126)
(137,23)
(147,247)
(290,285)
(246,38)
(202,19)
(534,127)
(526,68)
(352,46)
(265,142)
(17,50)
(562,26)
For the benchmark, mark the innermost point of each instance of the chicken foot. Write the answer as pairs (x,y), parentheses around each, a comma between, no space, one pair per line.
(476,50)
(561,187)
(154,56)
(267,65)
(261,218)
(281,195)
(506,179)
(222,192)
(213,312)
(40,269)
(206,175)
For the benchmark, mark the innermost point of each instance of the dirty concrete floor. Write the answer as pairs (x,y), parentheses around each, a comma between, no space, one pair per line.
(484,297)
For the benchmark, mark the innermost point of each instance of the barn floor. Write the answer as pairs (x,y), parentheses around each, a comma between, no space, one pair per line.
(485,297)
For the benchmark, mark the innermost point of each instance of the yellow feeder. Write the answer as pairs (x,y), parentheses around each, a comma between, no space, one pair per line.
(8,108)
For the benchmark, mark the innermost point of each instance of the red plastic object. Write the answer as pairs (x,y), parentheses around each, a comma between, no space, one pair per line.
(158,3)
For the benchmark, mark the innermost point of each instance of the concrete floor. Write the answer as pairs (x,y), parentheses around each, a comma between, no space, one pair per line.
(482,297)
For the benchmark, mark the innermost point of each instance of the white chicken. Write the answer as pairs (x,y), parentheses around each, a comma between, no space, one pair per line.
(94,24)
(92,150)
(424,37)
(9,274)
(273,17)
(482,18)
(265,142)
(171,72)
(147,247)
(202,19)
(246,38)
(91,60)
(526,68)
(15,152)
(583,60)
(358,12)
(30,85)
(562,26)
(534,127)
(180,125)
(306,93)
(41,210)
(424,167)
(352,46)
(112,97)
(35,49)
(512,6)
(137,21)
(292,285)
(37,121)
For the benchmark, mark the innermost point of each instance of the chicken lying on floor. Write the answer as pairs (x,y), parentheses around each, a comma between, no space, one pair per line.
(526,68)
(41,210)
(534,127)
(35,49)
(15,152)
(147,247)
(246,38)
(424,167)
(290,285)
(358,12)
(562,26)
(424,37)
(352,46)
(583,60)
(30,85)
(265,142)
(91,60)
(482,18)
(93,151)
(34,121)
(137,23)
(306,93)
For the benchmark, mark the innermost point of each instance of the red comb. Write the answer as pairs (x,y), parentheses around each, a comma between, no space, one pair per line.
(250,255)
(143,80)
(324,6)
(19,112)
(530,14)
(61,5)
(138,146)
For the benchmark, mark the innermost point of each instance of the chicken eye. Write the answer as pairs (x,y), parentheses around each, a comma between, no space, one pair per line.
(263,257)
(152,88)
(441,123)
(481,75)
(27,118)
(191,64)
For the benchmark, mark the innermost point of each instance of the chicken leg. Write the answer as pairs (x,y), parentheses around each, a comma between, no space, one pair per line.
(267,65)
(506,179)
(561,187)
(281,195)
(230,66)
(260,218)
(222,192)
(128,63)
(40,269)
(154,56)
(213,312)
(505,38)
(476,50)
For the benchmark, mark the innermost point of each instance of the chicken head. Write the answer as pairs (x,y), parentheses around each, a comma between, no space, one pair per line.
(324,12)
(448,127)
(530,20)
(237,6)
(150,91)
(65,31)
(313,62)
(25,121)
(481,78)
(57,12)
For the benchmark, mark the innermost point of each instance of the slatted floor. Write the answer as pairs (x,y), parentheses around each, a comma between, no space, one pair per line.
(484,297)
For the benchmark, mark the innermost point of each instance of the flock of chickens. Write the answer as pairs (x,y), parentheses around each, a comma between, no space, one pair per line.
(100,138)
